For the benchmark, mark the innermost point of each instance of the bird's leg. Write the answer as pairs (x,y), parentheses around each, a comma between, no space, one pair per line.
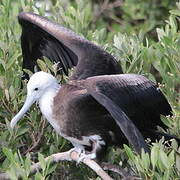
(78,148)
(96,147)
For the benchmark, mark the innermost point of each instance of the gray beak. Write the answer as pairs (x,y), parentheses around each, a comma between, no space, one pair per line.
(29,101)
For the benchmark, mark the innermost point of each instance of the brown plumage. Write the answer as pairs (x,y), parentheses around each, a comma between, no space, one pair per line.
(41,37)
(97,107)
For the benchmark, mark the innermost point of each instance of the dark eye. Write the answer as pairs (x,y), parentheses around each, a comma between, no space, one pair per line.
(36,89)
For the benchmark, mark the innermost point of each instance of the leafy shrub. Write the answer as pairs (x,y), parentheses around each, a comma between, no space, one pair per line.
(137,53)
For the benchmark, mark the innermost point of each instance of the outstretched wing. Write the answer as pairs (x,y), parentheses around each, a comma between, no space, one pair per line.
(41,37)
(134,102)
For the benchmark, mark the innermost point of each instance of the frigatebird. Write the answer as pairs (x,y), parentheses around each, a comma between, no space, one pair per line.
(98,106)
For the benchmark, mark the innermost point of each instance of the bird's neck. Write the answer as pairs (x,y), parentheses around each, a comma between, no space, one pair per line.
(46,104)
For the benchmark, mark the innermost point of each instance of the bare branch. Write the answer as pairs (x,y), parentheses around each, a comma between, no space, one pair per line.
(67,156)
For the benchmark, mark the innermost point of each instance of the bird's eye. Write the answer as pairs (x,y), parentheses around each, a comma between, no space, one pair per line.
(36,89)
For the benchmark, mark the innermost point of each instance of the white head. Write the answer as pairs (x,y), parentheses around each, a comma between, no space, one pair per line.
(38,84)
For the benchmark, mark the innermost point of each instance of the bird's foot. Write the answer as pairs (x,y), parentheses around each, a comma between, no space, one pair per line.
(86,156)
(82,154)
(79,150)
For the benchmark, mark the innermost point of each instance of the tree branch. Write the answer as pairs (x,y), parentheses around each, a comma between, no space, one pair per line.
(67,156)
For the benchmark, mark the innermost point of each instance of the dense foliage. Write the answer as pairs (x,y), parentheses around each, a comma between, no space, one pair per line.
(144,37)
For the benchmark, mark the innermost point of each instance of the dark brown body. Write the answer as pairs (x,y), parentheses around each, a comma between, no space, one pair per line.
(115,107)
(79,114)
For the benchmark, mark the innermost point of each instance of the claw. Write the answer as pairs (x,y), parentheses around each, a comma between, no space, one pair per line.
(96,143)
(78,150)
(84,156)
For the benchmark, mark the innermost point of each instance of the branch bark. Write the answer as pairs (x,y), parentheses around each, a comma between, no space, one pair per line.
(67,156)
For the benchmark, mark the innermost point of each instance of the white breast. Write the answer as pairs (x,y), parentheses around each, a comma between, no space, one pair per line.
(46,105)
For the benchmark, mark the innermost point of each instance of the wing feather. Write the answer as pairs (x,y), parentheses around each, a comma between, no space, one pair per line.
(134,102)
(126,125)
(42,37)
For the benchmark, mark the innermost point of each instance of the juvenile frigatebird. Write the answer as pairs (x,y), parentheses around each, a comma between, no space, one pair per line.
(97,107)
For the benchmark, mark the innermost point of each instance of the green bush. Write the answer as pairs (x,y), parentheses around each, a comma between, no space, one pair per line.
(130,33)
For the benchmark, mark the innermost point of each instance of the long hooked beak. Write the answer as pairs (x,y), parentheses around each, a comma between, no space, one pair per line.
(29,101)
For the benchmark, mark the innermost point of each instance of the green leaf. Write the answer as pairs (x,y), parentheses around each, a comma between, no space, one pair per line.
(171,158)
(178,160)
(52,168)
(12,60)
(145,160)
(42,65)
(154,155)
(164,159)
(42,161)
(21,131)
(12,174)
(9,154)
(38,176)
(174,144)
(175,12)
(129,152)
(27,164)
